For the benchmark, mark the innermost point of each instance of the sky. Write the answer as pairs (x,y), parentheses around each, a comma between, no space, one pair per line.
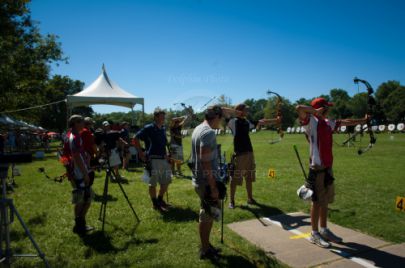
(176,51)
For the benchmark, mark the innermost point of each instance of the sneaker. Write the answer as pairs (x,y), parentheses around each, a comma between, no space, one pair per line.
(163,204)
(329,236)
(210,254)
(231,205)
(318,240)
(251,202)
(89,228)
(217,250)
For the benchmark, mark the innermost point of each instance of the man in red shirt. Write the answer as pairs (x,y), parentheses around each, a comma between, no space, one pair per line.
(87,135)
(319,130)
(82,193)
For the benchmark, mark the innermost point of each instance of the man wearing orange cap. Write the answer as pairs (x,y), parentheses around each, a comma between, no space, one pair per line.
(319,130)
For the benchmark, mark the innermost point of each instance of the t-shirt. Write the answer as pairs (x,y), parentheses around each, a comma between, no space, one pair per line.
(154,138)
(319,133)
(203,136)
(76,146)
(240,128)
(175,135)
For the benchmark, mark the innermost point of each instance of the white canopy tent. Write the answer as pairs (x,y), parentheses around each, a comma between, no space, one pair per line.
(103,91)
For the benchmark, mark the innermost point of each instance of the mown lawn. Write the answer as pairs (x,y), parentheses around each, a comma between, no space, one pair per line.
(366,189)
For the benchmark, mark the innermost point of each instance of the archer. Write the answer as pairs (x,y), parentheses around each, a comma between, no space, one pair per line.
(319,130)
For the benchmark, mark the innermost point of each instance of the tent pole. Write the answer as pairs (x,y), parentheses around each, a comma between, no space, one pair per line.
(133,116)
(143,114)
(68,112)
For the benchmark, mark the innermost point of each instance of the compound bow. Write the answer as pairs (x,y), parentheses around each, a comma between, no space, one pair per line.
(278,114)
(370,107)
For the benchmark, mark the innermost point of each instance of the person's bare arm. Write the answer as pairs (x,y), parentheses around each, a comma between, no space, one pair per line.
(353,122)
(269,122)
(304,110)
(205,157)
(137,145)
(229,112)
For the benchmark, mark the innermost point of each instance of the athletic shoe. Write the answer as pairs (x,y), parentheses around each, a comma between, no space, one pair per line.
(210,254)
(329,236)
(89,228)
(251,202)
(231,205)
(318,240)
(217,250)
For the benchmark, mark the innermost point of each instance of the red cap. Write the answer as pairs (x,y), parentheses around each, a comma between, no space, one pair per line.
(320,102)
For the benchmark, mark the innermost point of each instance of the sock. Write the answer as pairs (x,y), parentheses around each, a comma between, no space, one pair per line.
(314,232)
(323,229)
(160,198)
(154,201)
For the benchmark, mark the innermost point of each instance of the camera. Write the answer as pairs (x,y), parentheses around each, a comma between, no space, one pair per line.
(109,139)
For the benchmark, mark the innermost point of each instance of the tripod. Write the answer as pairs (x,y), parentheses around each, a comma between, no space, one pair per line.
(110,174)
(7,212)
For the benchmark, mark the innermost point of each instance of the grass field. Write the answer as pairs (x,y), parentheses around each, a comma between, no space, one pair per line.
(366,189)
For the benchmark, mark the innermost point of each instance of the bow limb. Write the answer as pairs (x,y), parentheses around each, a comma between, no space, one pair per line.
(279,116)
(370,105)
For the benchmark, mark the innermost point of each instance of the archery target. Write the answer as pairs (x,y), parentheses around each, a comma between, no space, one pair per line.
(391,127)
(297,130)
(374,128)
(358,128)
(343,129)
(365,128)
(302,129)
(400,127)
(288,129)
(381,128)
(292,129)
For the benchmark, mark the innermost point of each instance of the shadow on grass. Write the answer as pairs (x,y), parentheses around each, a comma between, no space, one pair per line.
(287,221)
(100,198)
(242,260)
(184,177)
(261,210)
(378,257)
(178,214)
(37,220)
(101,242)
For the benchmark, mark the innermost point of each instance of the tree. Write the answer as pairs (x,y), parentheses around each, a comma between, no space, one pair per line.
(394,105)
(25,58)
(224,101)
(340,99)
(56,89)
(256,110)
(288,112)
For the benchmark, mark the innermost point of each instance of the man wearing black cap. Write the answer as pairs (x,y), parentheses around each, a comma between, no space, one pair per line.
(243,158)
(154,137)
(319,130)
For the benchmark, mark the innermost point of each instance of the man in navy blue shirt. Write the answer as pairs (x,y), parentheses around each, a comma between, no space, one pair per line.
(154,137)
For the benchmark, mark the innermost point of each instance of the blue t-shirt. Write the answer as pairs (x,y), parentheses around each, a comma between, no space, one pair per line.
(154,138)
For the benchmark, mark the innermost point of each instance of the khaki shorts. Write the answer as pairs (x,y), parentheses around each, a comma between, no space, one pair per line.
(80,196)
(325,194)
(161,172)
(203,215)
(245,167)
